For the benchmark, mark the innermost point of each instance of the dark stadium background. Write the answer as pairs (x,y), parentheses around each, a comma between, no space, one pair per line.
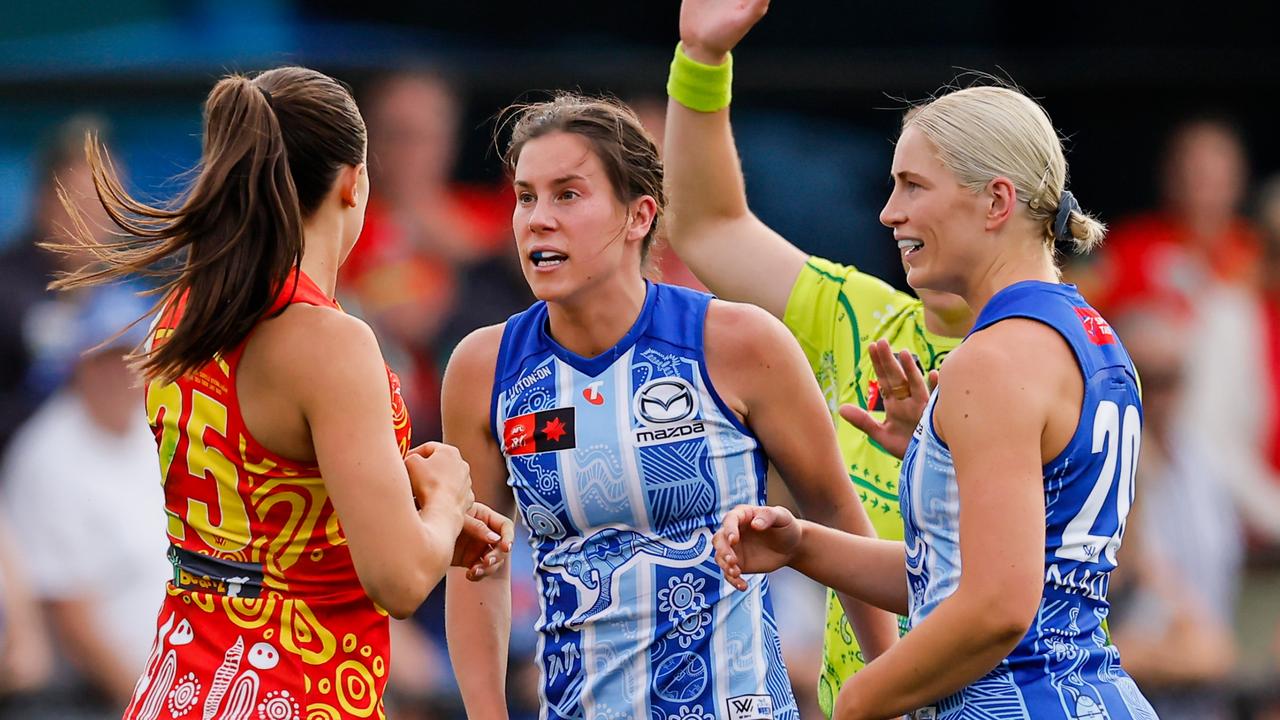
(1114,75)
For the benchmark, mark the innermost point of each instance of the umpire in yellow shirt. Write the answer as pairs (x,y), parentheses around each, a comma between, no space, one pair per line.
(834,311)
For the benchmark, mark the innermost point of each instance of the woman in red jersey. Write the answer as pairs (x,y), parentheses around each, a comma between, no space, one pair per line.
(282,434)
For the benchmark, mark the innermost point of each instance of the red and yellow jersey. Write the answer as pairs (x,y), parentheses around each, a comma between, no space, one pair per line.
(265,612)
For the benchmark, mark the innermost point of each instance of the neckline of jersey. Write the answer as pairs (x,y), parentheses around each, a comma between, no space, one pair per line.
(980,322)
(593,366)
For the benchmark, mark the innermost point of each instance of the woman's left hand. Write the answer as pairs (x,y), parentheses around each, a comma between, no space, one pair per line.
(902,386)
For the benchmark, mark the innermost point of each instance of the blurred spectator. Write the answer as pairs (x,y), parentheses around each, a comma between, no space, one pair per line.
(1175,601)
(1196,238)
(80,484)
(24,647)
(34,318)
(428,266)
(1233,397)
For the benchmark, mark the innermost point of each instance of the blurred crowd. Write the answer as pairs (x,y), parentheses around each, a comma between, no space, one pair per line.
(1192,286)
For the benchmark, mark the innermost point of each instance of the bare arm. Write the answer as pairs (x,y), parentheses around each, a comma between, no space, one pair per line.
(755,539)
(478,614)
(399,554)
(756,363)
(1002,378)
(709,224)
(871,570)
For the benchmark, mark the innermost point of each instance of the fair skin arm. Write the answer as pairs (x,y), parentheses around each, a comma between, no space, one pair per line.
(338,395)
(478,615)
(762,539)
(708,222)
(1013,376)
(763,376)
(870,569)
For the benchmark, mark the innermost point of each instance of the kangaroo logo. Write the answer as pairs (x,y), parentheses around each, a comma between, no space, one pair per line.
(593,563)
(665,400)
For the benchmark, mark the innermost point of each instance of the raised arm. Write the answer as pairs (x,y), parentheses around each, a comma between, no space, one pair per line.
(709,224)
(478,614)
(759,367)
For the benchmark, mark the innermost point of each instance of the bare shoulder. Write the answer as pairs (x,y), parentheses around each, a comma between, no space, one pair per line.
(1011,349)
(468,379)
(1015,347)
(1011,372)
(300,321)
(476,357)
(742,330)
(306,369)
(751,356)
(312,346)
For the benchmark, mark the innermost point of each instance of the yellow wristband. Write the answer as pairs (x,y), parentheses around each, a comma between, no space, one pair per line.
(705,88)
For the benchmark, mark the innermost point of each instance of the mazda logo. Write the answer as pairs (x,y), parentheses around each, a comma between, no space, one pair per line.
(664,401)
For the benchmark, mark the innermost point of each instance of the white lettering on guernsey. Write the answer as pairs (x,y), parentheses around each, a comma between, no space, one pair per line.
(526,382)
(1091,584)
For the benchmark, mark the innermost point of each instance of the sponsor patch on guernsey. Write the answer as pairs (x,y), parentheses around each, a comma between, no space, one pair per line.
(538,432)
(670,434)
(750,707)
(1098,330)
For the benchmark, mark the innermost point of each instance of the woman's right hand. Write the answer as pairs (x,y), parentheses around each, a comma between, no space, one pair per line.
(441,480)
(709,29)
(484,543)
(755,539)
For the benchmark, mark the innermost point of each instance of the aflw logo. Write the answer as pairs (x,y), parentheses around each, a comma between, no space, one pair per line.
(750,707)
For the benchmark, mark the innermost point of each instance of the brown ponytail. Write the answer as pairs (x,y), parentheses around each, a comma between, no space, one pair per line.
(273,145)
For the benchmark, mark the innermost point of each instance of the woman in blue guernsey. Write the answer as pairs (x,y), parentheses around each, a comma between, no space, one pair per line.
(1017,482)
(627,418)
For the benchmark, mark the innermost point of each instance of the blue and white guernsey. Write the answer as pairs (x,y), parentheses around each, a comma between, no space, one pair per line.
(623,466)
(1065,666)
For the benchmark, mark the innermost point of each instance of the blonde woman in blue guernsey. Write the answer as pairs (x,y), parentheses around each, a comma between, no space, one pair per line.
(1018,480)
